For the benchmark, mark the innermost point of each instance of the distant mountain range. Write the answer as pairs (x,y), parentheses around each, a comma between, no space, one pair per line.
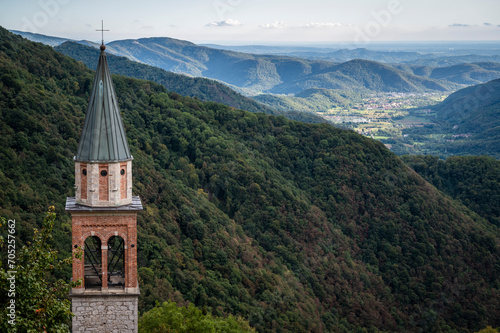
(202,88)
(50,40)
(393,57)
(465,73)
(363,75)
(254,73)
(472,110)
(39,38)
(270,73)
(433,55)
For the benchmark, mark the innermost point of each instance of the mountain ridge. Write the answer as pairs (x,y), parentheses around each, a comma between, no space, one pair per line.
(261,73)
(364,76)
(202,88)
(256,73)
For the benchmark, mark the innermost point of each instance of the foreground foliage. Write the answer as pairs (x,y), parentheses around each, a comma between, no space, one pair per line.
(489,329)
(41,303)
(295,227)
(168,317)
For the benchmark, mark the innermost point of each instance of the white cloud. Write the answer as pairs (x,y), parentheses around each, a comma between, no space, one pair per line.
(460,25)
(274,25)
(322,25)
(225,23)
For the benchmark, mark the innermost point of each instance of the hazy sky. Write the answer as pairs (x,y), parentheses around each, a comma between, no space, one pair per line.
(230,21)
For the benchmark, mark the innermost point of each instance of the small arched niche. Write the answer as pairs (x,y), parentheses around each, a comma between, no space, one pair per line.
(93,263)
(116,262)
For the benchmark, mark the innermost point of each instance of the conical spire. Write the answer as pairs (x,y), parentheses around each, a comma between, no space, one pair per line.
(103,136)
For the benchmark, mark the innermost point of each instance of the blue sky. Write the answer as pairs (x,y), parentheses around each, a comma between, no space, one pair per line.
(268,21)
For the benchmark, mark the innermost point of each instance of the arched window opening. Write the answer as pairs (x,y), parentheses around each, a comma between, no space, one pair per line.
(116,262)
(93,263)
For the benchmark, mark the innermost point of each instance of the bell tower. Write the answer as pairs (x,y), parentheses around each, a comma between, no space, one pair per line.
(104,217)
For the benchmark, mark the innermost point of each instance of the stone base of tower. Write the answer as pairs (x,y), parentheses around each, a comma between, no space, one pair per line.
(105,313)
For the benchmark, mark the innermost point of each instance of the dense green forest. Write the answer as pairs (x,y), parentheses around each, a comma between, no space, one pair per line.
(314,99)
(294,227)
(473,180)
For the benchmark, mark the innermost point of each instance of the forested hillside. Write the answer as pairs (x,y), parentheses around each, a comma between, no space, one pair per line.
(473,180)
(295,227)
(313,99)
(474,111)
(363,75)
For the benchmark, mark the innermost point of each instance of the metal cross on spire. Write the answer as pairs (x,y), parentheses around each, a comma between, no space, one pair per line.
(102,31)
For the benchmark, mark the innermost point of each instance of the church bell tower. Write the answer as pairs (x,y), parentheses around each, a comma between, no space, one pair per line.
(104,217)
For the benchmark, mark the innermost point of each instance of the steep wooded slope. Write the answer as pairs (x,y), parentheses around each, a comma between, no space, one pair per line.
(473,180)
(473,111)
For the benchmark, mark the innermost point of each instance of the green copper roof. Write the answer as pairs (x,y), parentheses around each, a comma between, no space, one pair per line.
(103,136)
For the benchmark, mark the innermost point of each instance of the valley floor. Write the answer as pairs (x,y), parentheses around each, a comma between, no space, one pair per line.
(404,122)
